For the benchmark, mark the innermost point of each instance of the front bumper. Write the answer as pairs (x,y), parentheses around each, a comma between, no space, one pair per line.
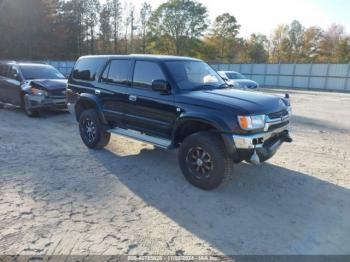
(260,146)
(257,140)
(43,102)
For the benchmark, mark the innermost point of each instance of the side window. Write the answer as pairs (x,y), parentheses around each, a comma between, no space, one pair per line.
(104,77)
(14,73)
(117,72)
(87,68)
(4,70)
(145,72)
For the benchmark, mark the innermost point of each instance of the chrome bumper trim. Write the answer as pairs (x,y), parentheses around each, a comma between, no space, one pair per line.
(256,140)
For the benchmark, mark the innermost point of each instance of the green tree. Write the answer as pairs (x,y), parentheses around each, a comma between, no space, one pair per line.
(329,42)
(255,49)
(178,23)
(25,29)
(225,31)
(342,50)
(311,45)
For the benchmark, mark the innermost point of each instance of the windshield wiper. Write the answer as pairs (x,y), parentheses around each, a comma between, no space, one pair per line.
(207,86)
(224,85)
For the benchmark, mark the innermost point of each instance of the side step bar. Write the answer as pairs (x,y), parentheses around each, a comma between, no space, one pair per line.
(156,141)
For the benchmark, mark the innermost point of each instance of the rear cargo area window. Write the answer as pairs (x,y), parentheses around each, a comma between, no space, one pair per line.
(87,68)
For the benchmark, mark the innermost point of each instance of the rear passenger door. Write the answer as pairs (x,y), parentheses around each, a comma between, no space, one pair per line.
(149,111)
(115,83)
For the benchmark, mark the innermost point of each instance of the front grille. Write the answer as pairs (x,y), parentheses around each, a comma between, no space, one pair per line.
(278,114)
(61,93)
(276,126)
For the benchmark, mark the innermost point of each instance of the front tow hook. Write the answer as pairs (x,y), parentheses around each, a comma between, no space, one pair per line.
(286,138)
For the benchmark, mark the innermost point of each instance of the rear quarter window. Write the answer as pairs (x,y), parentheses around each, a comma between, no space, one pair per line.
(87,68)
(4,70)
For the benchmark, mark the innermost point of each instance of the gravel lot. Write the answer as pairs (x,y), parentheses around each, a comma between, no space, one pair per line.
(58,197)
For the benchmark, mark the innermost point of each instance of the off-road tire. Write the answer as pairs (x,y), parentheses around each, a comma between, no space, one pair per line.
(90,120)
(212,144)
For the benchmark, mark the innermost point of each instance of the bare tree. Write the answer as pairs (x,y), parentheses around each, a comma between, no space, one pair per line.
(145,15)
(91,19)
(116,18)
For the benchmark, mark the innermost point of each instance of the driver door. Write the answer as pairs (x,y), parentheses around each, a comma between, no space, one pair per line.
(149,111)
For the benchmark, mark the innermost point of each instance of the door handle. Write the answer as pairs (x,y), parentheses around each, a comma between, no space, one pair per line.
(97,91)
(132,98)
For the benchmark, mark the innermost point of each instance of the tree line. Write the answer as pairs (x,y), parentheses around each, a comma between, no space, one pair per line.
(67,29)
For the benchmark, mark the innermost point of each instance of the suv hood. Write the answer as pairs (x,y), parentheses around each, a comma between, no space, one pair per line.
(50,84)
(243,102)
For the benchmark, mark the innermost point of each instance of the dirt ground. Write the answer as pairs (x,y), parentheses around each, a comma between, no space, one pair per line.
(58,197)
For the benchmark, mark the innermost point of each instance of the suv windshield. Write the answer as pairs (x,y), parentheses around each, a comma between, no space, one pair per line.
(234,75)
(40,72)
(190,75)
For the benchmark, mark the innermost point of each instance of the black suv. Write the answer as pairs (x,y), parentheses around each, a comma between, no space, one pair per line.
(177,102)
(32,86)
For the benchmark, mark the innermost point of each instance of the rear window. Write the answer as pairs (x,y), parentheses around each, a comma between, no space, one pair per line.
(87,68)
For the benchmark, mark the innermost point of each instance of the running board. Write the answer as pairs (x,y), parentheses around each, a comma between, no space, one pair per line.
(156,141)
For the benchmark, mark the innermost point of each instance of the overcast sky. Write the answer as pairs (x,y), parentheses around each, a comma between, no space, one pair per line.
(262,16)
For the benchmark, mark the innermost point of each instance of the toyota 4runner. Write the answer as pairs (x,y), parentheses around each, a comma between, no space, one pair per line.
(177,102)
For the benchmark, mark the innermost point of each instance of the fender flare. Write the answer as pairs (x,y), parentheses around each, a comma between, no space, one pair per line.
(222,129)
(91,99)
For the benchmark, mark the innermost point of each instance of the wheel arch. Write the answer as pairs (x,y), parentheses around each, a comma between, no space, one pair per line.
(188,125)
(88,101)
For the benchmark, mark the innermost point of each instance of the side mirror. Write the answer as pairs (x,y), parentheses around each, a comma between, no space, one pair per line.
(161,86)
(82,75)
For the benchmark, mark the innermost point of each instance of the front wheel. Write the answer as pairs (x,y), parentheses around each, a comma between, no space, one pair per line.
(204,161)
(91,130)
(25,104)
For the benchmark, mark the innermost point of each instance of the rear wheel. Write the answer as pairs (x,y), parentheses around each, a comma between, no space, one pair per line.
(91,130)
(204,160)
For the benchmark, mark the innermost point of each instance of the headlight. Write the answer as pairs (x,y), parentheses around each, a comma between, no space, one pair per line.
(38,92)
(251,122)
